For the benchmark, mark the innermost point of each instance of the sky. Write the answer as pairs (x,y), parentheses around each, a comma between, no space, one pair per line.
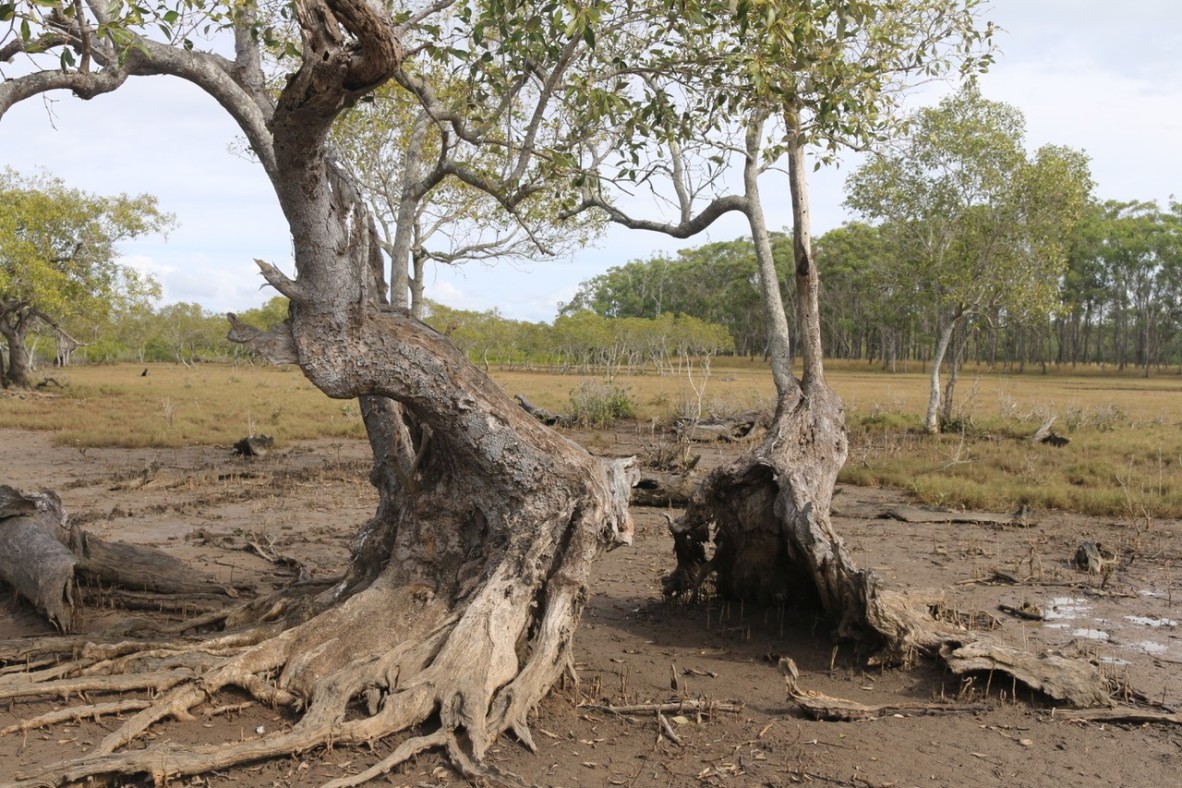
(1088,74)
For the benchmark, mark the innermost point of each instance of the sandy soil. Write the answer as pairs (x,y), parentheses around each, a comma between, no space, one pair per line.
(306,500)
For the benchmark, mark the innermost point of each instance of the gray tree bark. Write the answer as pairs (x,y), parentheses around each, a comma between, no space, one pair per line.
(465,588)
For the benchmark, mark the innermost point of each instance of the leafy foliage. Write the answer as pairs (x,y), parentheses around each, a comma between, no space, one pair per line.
(59,258)
(975,226)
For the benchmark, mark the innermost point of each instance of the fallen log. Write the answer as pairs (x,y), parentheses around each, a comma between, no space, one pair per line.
(915,514)
(1124,714)
(715,429)
(33,559)
(1071,680)
(543,415)
(138,568)
(253,446)
(43,559)
(828,708)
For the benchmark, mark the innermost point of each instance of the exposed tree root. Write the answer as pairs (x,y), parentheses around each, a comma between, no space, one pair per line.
(470,662)
(427,662)
(75,713)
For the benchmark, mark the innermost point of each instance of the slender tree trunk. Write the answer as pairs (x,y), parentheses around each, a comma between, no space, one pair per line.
(955,360)
(778,333)
(408,206)
(931,421)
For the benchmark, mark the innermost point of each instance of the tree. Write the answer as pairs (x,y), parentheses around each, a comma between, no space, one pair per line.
(59,260)
(972,221)
(464,590)
(754,95)
(716,282)
(864,313)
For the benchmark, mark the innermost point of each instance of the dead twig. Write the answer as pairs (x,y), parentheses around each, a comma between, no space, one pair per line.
(697,706)
(667,730)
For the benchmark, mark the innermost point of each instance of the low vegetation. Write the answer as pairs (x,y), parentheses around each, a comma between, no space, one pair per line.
(1124,459)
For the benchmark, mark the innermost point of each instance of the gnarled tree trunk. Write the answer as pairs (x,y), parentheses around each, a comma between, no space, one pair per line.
(465,589)
(767,513)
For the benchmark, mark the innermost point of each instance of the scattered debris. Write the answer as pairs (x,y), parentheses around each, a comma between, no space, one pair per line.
(254,446)
(1094,558)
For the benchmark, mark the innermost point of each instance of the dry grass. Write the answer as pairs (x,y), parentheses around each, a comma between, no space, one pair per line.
(178,406)
(1124,459)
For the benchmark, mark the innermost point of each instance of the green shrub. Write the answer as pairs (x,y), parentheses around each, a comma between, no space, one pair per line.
(600,404)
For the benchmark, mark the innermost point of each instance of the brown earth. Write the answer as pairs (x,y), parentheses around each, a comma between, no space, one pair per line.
(305,500)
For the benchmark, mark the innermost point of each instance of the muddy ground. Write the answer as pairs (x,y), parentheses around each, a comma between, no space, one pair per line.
(304,501)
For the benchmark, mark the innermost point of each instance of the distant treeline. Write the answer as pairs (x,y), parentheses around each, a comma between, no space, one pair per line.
(1119,301)
(584,342)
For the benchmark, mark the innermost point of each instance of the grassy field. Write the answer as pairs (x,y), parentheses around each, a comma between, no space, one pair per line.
(1124,459)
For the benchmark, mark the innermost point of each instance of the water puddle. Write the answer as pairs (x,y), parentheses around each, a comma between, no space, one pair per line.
(1065,608)
(1152,621)
(1090,634)
(1149,647)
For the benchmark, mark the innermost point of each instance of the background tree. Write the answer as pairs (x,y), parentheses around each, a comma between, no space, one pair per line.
(440,192)
(972,222)
(717,283)
(59,260)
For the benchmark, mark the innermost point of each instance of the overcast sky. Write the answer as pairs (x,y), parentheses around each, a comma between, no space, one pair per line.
(1099,76)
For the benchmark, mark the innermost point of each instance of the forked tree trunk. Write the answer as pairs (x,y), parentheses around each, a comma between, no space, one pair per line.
(767,513)
(931,419)
(766,516)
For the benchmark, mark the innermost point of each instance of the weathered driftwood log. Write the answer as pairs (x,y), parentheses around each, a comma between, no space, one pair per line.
(1045,434)
(138,568)
(1074,681)
(828,708)
(41,558)
(915,514)
(254,446)
(734,428)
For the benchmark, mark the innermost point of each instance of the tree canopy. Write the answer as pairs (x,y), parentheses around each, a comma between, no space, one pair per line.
(59,259)
(975,225)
